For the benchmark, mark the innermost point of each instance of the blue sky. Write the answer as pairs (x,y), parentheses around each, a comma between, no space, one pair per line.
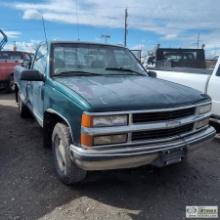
(170,23)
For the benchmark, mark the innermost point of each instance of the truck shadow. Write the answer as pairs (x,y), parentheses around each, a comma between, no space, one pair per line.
(6,96)
(30,190)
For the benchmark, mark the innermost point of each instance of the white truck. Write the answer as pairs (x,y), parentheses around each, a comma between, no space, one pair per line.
(203,80)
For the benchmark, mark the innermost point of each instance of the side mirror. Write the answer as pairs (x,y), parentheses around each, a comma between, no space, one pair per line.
(31,75)
(152,74)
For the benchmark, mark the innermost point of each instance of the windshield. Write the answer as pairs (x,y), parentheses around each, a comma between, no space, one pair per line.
(97,59)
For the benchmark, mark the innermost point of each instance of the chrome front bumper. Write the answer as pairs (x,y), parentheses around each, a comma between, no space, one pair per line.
(136,155)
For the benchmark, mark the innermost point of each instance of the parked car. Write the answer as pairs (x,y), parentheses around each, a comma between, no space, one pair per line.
(176,57)
(8,61)
(206,81)
(101,110)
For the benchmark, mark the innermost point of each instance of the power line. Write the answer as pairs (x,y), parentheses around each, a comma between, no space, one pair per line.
(126,28)
(77,20)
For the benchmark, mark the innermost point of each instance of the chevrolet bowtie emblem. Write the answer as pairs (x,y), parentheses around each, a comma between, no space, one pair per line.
(173,124)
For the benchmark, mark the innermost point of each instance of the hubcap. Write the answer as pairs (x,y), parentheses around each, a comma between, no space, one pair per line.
(60,154)
(12,86)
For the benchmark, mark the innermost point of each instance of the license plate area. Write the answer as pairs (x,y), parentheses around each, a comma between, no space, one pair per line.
(169,157)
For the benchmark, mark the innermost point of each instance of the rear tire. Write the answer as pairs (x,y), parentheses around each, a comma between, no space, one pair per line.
(23,109)
(217,136)
(11,85)
(66,170)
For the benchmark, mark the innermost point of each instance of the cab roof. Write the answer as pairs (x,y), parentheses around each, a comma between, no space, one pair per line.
(85,42)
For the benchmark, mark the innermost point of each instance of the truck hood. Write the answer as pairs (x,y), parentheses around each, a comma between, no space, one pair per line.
(118,93)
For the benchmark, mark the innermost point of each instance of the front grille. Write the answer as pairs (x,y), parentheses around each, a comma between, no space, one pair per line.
(162,133)
(161,116)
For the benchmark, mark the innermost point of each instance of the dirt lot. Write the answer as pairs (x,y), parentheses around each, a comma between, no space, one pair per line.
(29,188)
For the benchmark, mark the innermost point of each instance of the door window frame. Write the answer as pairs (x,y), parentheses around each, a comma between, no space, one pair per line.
(43,56)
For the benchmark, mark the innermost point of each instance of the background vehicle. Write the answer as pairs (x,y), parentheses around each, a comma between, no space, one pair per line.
(206,81)
(137,54)
(8,61)
(100,110)
(176,57)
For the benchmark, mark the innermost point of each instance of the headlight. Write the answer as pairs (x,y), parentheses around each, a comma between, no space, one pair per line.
(110,139)
(203,109)
(108,121)
(88,141)
(202,123)
(104,121)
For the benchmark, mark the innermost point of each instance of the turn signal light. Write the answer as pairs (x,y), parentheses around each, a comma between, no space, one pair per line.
(87,121)
(86,140)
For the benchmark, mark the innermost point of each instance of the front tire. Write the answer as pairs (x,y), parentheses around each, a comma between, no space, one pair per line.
(66,170)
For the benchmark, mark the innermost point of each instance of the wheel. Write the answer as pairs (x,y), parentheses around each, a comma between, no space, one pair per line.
(66,170)
(11,85)
(23,110)
(217,136)
(217,128)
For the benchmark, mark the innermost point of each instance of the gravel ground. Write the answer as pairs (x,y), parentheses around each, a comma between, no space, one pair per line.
(29,188)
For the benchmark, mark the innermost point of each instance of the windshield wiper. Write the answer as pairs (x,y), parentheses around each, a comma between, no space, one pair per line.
(77,73)
(124,70)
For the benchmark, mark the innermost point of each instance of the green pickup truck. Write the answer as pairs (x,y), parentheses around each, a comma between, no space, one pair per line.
(100,110)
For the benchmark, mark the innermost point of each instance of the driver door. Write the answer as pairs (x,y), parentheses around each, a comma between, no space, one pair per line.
(40,64)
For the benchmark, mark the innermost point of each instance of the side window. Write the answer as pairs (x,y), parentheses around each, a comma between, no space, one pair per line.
(40,60)
(218,71)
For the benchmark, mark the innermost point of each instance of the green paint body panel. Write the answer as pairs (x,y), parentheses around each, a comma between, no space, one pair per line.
(69,97)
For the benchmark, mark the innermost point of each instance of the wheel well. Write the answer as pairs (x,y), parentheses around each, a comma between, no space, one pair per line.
(11,76)
(216,126)
(50,120)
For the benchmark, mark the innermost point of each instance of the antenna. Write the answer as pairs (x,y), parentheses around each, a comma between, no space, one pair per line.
(44,28)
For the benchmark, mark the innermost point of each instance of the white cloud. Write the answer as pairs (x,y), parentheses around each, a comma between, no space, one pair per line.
(23,46)
(170,36)
(138,47)
(31,14)
(12,34)
(171,20)
(157,15)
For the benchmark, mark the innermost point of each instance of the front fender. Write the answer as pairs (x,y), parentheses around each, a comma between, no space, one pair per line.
(67,105)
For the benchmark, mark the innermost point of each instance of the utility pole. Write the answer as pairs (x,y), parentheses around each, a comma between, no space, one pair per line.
(198,41)
(126,27)
(14,46)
